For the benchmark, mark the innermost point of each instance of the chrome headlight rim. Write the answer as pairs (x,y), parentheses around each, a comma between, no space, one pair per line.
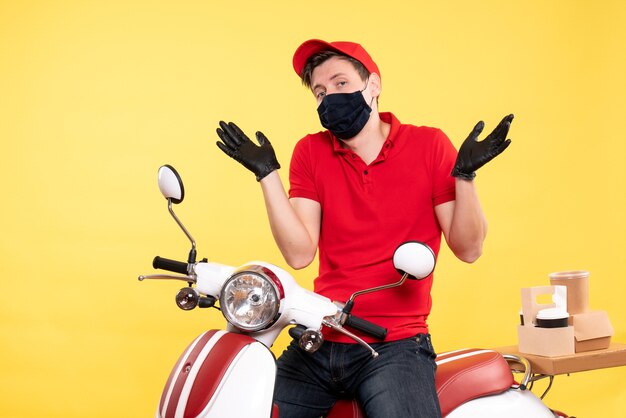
(267,276)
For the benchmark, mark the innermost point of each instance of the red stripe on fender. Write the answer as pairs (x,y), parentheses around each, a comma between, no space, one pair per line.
(213,370)
(171,377)
(178,380)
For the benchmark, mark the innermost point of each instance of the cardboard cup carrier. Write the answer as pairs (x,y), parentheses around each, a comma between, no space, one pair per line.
(545,330)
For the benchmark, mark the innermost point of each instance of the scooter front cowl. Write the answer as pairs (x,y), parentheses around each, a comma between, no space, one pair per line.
(220,374)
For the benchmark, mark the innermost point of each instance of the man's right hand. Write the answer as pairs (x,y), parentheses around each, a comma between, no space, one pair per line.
(261,160)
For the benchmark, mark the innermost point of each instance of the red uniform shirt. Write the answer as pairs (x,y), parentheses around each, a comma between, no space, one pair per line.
(368,210)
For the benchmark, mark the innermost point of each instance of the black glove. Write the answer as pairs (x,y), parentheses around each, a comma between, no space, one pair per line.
(473,154)
(261,160)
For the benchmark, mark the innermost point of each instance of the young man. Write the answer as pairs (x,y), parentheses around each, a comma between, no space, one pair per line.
(358,190)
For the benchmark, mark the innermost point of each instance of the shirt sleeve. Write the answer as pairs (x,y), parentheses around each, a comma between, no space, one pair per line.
(301,172)
(444,157)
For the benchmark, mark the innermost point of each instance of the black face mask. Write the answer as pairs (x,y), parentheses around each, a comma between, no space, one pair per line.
(344,114)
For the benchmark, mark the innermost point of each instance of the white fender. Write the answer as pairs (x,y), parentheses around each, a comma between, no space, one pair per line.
(248,388)
(220,375)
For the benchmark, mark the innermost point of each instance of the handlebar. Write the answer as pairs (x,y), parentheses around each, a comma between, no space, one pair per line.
(169,265)
(367,327)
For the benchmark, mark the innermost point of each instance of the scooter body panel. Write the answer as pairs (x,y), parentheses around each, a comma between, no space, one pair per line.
(513,403)
(220,374)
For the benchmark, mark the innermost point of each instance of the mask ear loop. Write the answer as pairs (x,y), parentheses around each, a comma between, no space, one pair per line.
(366,83)
(365,88)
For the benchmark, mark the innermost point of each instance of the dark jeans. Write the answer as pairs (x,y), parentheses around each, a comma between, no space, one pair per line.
(399,383)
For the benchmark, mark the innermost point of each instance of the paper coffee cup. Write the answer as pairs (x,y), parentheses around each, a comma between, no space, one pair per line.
(577,283)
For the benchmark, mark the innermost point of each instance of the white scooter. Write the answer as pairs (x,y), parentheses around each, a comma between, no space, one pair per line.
(231,372)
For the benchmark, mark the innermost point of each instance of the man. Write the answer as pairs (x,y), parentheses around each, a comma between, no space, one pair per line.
(358,190)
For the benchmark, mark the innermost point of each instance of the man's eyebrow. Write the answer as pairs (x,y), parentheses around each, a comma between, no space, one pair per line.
(331,79)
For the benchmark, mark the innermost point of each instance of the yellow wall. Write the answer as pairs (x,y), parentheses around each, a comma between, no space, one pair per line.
(95,96)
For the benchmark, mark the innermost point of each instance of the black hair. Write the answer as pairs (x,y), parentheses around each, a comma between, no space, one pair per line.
(321,57)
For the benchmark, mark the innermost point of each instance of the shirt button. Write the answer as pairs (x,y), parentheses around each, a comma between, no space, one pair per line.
(353,156)
(386,145)
(365,172)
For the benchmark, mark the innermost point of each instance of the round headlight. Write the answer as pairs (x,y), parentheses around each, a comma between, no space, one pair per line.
(250,298)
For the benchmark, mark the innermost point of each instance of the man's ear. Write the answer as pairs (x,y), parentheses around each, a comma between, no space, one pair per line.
(375,85)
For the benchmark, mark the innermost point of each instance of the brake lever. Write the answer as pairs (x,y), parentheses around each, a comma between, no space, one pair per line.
(186,278)
(339,328)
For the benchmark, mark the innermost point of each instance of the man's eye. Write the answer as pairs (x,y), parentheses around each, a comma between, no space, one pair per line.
(341,83)
(321,94)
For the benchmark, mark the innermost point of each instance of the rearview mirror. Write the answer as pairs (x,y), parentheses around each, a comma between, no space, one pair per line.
(415,259)
(170,184)
(172,189)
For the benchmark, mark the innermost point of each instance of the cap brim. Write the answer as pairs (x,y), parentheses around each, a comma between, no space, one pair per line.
(308,48)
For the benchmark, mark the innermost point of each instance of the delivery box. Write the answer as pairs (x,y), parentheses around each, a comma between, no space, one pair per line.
(592,330)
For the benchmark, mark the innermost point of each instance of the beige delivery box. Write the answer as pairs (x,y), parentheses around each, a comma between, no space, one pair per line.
(592,330)
(548,342)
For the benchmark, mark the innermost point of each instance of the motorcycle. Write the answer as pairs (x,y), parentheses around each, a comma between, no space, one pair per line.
(231,372)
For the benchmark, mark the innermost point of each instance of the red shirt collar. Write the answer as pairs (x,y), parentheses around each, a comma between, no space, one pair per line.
(386,117)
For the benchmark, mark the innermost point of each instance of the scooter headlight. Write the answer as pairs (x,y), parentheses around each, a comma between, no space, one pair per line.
(250,298)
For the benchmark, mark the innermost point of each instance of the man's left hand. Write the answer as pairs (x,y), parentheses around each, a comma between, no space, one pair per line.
(474,154)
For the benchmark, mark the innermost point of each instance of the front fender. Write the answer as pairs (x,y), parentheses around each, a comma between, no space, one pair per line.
(220,374)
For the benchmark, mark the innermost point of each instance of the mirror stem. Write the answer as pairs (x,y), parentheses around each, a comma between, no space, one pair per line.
(350,302)
(192,253)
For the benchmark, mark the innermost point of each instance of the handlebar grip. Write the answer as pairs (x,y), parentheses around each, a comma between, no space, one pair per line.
(169,265)
(367,327)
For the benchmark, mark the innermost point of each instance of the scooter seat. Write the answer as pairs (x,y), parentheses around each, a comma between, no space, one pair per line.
(462,375)
(468,374)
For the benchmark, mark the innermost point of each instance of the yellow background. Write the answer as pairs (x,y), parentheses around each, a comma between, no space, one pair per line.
(95,96)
